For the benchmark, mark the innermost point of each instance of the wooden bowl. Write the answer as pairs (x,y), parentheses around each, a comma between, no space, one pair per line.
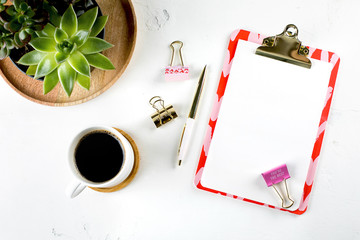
(120,31)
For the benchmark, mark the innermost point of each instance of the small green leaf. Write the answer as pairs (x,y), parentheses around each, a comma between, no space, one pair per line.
(31,70)
(17,4)
(60,57)
(43,44)
(23,6)
(17,40)
(29,31)
(4,52)
(80,37)
(30,13)
(86,21)
(94,45)
(11,10)
(98,25)
(79,63)
(9,43)
(99,61)
(32,58)
(69,21)
(48,31)
(83,81)
(46,65)
(60,35)
(23,35)
(75,48)
(50,81)
(12,26)
(21,19)
(67,77)
(55,17)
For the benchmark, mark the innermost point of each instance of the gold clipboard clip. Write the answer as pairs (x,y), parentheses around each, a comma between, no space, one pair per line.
(286,47)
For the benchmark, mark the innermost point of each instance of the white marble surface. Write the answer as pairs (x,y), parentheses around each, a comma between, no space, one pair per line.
(162,203)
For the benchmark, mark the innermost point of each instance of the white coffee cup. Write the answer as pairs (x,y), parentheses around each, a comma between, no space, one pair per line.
(81,182)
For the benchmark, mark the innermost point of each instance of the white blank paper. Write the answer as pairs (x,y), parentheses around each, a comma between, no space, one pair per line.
(269,116)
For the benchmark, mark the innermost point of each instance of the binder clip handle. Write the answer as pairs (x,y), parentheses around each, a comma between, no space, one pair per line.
(176,73)
(283,201)
(173,52)
(154,100)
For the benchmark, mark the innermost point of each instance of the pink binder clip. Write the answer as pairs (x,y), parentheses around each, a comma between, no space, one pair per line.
(275,177)
(176,73)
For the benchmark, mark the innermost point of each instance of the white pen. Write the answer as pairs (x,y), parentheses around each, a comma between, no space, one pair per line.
(187,131)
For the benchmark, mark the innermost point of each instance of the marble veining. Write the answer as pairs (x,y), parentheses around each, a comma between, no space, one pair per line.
(56,234)
(155,18)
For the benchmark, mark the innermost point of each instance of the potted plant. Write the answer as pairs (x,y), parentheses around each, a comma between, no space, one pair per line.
(64,54)
(66,47)
(20,21)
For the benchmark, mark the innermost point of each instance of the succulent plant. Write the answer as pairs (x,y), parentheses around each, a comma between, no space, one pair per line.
(80,6)
(64,54)
(20,22)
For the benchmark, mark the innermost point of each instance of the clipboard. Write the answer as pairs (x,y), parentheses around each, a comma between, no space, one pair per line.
(232,166)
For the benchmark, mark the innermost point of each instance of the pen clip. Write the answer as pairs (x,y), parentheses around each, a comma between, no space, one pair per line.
(197,95)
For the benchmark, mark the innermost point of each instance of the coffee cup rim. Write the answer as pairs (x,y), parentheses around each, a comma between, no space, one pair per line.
(74,144)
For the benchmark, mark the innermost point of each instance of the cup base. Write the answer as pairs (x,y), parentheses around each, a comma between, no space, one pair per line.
(133,171)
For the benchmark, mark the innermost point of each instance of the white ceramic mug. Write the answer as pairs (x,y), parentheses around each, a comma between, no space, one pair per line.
(81,182)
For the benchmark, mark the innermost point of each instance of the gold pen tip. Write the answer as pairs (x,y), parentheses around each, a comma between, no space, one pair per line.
(180,162)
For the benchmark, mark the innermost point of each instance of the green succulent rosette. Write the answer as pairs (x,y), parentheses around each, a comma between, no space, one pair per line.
(64,54)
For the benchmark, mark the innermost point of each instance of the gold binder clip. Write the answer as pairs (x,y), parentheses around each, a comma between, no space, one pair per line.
(286,47)
(176,73)
(273,178)
(163,114)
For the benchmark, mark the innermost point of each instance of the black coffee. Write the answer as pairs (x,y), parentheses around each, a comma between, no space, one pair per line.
(99,156)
